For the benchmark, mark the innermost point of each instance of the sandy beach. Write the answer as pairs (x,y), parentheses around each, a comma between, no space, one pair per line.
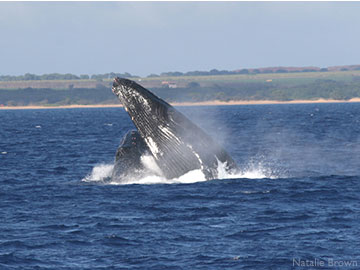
(204,103)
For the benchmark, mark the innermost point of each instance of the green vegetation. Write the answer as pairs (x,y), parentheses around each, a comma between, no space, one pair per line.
(338,85)
(318,89)
(46,97)
(196,73)
(58,76)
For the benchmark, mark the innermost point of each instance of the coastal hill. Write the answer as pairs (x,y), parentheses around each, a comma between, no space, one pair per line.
(269,84)
(302,69)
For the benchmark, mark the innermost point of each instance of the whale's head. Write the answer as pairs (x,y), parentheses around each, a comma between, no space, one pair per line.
(122,86)
(140,102)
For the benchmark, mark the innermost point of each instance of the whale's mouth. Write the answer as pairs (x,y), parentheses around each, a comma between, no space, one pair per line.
(134,97)
(117,85)
(122,82)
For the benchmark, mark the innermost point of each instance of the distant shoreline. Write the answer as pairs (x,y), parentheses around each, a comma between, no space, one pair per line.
(204,103)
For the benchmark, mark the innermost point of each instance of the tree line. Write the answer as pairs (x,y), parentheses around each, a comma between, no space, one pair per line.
(111,75)
(215,72)
(67,76)
(325,89)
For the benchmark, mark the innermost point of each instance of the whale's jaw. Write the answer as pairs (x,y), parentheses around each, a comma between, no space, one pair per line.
(177,144)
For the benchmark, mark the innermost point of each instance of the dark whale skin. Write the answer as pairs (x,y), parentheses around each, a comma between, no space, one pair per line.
(128,156)
(177,144)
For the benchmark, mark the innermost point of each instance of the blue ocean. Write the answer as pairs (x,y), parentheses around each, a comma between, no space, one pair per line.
(294,204)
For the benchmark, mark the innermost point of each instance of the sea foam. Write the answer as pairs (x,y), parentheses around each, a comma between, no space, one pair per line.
(102,173)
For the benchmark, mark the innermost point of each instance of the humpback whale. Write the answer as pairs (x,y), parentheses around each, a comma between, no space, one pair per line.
(176,144)
(128,156)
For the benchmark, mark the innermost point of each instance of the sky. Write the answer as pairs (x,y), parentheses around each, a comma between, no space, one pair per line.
(153,37)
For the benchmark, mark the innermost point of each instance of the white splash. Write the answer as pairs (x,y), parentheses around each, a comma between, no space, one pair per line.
(189,177)
(252,171)
(99,173)
(155,176)
(149,163)
(250,174)
(102,173)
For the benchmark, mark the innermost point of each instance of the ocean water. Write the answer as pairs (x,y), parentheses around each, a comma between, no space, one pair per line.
(294,204)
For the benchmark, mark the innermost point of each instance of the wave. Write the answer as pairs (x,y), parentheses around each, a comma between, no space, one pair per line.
(102,173)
